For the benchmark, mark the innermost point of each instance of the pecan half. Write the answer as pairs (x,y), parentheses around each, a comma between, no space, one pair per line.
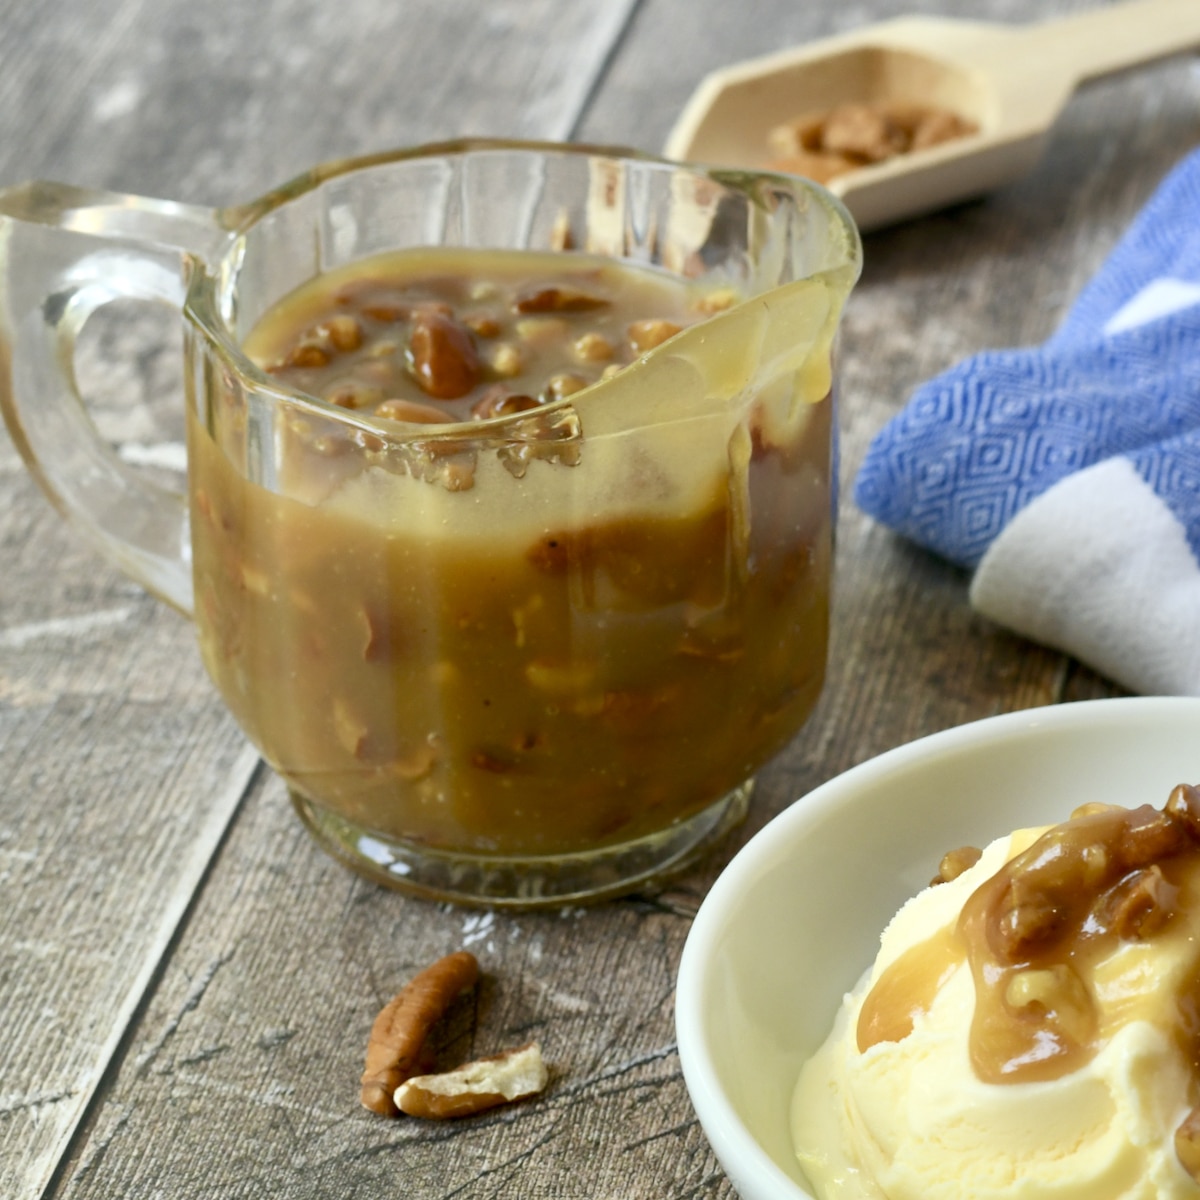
(399,1033)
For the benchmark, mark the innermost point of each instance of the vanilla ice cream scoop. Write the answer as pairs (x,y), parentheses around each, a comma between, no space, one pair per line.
(1030,1029)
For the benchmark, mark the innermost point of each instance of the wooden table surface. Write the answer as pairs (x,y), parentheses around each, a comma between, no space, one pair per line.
(186,982)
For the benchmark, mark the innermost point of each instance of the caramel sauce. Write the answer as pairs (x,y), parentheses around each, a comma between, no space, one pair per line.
(908,987)
(536,641)
(1037,930)
(445,335)
(1041,938)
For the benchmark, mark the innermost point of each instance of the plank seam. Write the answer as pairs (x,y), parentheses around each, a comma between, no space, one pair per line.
(192,876)
(605,68)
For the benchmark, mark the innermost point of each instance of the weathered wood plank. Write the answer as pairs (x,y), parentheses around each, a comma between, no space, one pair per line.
(215,104)
(243,1074)
(121,769)
(121,776)
(909,657)
(238,1075)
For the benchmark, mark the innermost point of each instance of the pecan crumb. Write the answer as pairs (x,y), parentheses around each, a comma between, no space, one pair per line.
(824,145)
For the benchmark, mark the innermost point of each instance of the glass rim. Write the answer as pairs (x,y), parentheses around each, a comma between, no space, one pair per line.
(202,311)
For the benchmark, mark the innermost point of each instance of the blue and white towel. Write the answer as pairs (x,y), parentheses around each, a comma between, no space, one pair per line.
(1068,475)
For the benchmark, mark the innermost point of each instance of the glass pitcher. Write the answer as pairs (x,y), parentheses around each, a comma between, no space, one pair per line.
(525,660)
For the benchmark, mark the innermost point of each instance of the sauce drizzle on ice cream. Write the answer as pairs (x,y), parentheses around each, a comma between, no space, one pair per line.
(1041,935)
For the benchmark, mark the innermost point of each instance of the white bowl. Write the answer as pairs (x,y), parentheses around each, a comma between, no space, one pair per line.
(795,918)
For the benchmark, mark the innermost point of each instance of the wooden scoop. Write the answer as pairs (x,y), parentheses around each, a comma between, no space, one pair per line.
(1011,82)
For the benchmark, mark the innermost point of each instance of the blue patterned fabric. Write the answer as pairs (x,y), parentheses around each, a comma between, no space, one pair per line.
(976,445)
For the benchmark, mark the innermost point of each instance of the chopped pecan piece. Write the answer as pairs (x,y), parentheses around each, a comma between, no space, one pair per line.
(442,356)
(935,126)
(355,395)
(1139,906)
(344,332)
(1184,806)
(1059,996)
(411,411)
(645,335)
(955,862)
(475,1086)
(498,401)
(386,311)
(1187,1144)
(1026,924)
(565,383)
(593,347)
(557,299)
(506,360)
(1150,836)
(862,131)
(482,325)
(309,354)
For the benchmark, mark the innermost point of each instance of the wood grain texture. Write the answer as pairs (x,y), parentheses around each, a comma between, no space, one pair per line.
(121,773)
(189,981)
(215,104)
(122,770)
(909,657)
(261,1020)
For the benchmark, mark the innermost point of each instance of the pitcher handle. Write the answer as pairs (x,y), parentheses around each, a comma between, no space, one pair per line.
(64,253)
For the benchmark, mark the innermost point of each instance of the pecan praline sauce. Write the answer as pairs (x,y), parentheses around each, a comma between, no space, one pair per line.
(1034,933)
(485,640)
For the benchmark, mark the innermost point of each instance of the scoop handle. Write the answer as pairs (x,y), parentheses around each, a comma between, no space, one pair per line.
(64,253)
(1115,37)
